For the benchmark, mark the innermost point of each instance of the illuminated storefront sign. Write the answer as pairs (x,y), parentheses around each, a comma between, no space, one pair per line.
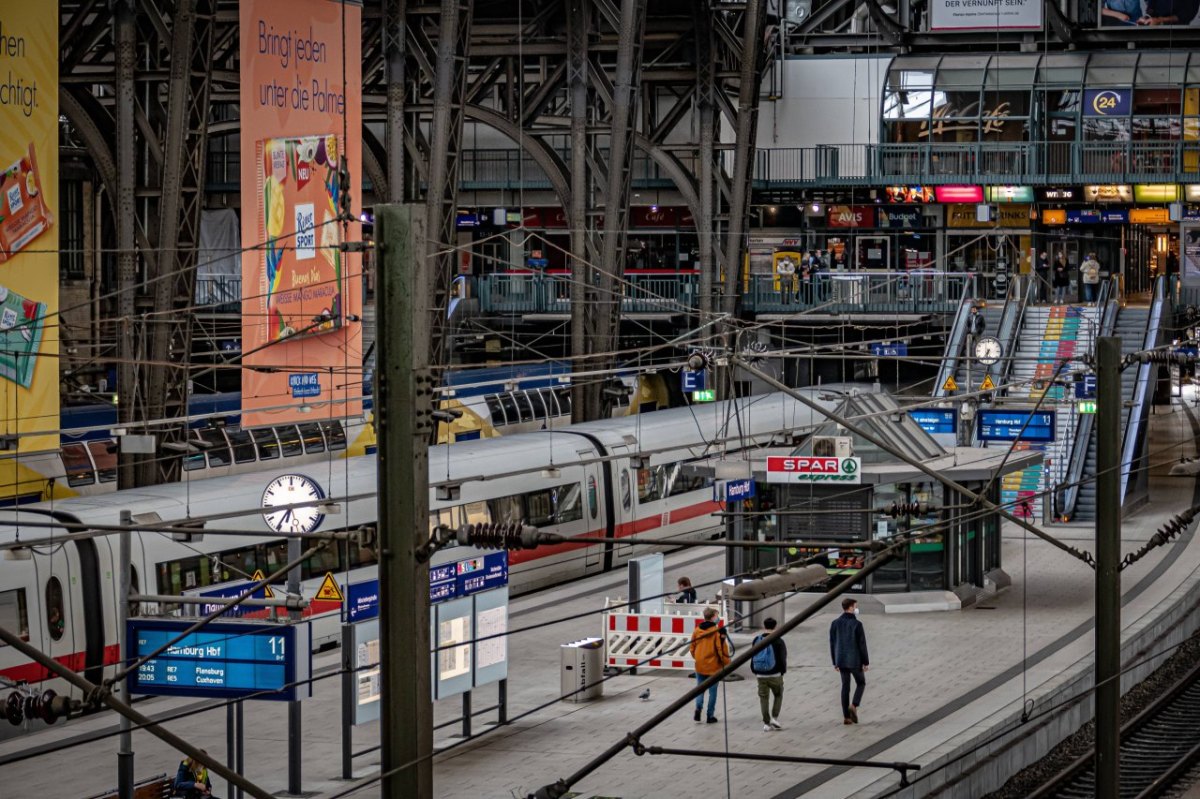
(1156,192)
(1106,102)
(1007,216)
(1009,194)
(959,194)
(1054,217)
(1108,193)
(907,218)
(1058,194)
(851,216)
(1085,216)
(1191,192)
(909,194)
(1149,216)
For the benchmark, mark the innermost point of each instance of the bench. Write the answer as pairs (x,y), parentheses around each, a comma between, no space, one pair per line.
(153,788)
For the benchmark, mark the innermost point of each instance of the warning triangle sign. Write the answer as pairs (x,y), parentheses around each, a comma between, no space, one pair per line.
(950,385)
(258,576)
(987,384)
(329,590)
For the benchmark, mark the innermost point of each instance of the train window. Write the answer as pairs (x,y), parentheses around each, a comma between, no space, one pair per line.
(564,401)
(56,619)
(289,440)
(266,443)
(77,465)
(13,615)
(505,509)
(313,440)
(218,451)
(494,411)
(593,499)
(476,513)
(335,435)
(539,507)
(649,482)
(104,453)
(538,403)
(243,447)
(524,406)
(681,483)
(568,502)
(552,402)
(626,497)
(319,563)
(511,416)
(196,459)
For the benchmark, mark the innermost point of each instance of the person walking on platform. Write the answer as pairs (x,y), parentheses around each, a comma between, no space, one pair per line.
(687,594)
(1089,275)
(191,780)
(711,654)
(848,647)
(769,666)
(1062,279)
(1042,271)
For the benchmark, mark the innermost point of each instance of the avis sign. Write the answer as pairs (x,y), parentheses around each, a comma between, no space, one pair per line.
(813,469)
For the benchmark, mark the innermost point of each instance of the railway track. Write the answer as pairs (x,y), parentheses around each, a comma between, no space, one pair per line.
(1159,747)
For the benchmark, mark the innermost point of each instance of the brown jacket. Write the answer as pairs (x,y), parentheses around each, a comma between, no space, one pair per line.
(708,648)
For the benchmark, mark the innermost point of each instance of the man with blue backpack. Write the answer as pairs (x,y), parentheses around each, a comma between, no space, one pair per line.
(769,665)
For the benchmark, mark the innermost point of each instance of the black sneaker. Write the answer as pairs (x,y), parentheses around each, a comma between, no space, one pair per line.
(696,715)
(854,714)
(713,719)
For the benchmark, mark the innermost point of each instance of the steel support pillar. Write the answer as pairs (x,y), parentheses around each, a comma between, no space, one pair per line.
(706,117)
(398,166)
(128,386)
(584,253)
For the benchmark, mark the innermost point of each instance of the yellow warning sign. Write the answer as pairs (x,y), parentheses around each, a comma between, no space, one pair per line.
(329,590)
(987,384)
(950,385)
(258,577)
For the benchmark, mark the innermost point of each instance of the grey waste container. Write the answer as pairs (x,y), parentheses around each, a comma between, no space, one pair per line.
(582,665)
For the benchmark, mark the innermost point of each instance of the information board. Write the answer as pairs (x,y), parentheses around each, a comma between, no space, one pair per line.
(362,600)
(897,349)
(936,421)
(231,590)
(361,642)
(465,577)
(1016,426)
(229,660)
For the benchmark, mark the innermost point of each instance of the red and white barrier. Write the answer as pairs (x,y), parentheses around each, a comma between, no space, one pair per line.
(635,639)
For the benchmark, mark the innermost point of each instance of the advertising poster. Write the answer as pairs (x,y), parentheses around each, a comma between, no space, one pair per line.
(1149,13)
(28,224)
(301,116)
(1191,256)
(964,15)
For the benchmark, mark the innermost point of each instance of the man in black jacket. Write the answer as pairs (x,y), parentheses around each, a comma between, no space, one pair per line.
(769,666)
(848,647)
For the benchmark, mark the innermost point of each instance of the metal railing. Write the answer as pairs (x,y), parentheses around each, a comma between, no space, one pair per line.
(219,294)
(860,292)
(537,292)
(511,168)
(954,346)
(1143,392)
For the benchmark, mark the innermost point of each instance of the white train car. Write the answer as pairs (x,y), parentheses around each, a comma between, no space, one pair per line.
(610,479)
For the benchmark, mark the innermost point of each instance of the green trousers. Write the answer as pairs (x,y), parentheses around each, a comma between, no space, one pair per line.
(766,687)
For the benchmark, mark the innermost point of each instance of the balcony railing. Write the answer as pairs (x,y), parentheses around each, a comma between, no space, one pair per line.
(542,293)
(987,162)
(219,294)
(917,292)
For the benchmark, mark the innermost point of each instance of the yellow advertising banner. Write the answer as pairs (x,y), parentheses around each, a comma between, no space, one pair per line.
(301,115)
(959,215)
(1149,216)
(29,325)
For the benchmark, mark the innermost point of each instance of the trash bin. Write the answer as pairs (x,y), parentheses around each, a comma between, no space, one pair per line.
(582,665)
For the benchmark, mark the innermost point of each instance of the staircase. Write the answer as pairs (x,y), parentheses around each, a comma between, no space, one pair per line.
(1049,335)
(991,315)
(1131,329)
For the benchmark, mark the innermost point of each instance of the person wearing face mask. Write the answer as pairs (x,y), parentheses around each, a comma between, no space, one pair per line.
(848,647)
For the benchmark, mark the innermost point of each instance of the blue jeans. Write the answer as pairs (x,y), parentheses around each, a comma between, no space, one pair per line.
(712,696)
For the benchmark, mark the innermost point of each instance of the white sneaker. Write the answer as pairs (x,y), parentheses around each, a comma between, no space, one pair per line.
(767,728)
(775,725)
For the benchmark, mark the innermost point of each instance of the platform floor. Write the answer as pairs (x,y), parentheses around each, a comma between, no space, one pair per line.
(933,676)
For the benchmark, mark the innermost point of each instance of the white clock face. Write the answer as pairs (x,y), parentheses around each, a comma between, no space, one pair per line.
(988,350)
(290,489)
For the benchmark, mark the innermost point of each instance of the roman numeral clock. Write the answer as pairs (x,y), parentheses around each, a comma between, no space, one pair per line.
(287,490)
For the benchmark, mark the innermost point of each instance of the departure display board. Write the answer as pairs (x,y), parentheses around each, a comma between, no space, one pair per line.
(936,421)
(466,577)
(227,660)
(1016,426)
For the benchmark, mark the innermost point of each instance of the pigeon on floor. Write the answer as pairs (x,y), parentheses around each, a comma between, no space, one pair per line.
(644,695)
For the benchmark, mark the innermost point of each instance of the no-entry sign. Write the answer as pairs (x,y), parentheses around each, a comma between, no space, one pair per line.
(812,469)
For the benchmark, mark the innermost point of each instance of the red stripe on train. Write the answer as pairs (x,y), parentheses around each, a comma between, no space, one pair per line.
(76,661)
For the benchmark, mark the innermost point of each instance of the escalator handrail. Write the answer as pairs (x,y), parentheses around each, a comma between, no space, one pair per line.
(958,335)
(1137,411)
(1086,423)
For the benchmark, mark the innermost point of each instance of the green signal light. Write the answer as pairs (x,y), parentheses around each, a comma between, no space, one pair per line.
(707,395)
(1086,406)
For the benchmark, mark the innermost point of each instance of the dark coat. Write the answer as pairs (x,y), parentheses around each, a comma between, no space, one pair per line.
(187,785)
(976,324)
(848,642)
(688,595)
(1062,274)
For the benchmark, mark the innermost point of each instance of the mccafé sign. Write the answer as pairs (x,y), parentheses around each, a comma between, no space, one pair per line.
(813,469)
(850,215)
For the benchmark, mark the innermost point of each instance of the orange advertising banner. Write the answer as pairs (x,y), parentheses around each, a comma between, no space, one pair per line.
(301,295)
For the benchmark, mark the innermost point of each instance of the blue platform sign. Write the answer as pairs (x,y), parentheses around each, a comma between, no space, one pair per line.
(1119,217)
(226,660)
(1016,426)
(305,384)
(362,600)
(466,577)
(1086,387)
(936,420)
(231,591)
(889,350)
(692,381)
(733,490)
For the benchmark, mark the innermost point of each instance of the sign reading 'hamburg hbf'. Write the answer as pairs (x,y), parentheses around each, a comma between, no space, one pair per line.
(813,469)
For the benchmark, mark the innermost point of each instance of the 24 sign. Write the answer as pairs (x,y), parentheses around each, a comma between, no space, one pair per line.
(813,469)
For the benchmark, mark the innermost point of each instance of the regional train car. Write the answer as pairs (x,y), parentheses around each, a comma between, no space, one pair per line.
(609,479)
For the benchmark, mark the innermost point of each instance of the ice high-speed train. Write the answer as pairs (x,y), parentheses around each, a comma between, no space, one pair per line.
(610,478)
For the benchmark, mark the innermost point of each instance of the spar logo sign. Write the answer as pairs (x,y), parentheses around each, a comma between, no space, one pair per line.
(813,469)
